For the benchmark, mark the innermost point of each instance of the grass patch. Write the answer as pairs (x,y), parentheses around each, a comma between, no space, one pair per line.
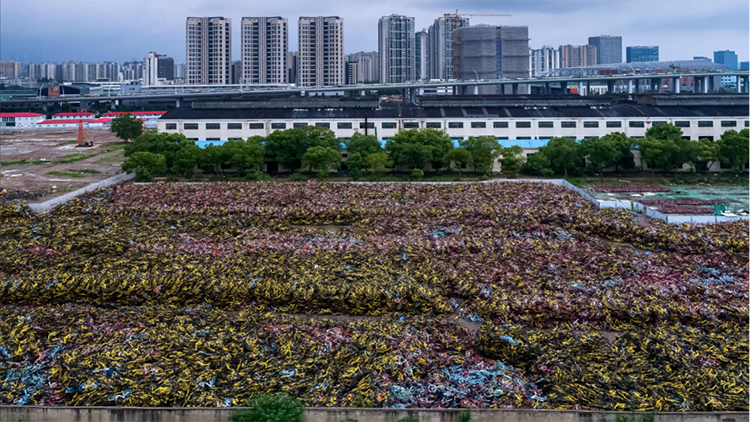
(74,173)
(70,142)
(116,158)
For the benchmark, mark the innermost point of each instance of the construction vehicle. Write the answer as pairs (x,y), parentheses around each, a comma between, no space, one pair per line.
(83,137)
(457,41)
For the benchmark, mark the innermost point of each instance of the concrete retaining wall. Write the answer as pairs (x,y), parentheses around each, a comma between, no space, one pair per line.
(52,203)
(145,414)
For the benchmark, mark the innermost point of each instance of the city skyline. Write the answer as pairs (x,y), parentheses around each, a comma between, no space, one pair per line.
(30,36)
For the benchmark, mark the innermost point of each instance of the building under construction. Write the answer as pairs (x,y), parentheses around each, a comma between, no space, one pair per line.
(493,52)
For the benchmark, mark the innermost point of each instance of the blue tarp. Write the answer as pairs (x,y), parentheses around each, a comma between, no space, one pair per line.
(523,143)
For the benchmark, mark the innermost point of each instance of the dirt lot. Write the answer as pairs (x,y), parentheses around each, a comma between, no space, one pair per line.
(47,151)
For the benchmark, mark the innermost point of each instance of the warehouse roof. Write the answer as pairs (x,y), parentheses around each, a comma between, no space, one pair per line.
(505,112)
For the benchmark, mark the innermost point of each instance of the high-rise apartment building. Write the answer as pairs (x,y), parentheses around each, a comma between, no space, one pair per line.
(180,71)
(368,66)
(157,68)
(396,49)
(577,55)
(727,57)
(352,71)
(608,48)
(420,61)
(441,43)
(543,60)
(321,51)
(291,67)
(68,71)
(208,50)
(237,72)
(640,53)
(493,52)
(265,44)
(10,69)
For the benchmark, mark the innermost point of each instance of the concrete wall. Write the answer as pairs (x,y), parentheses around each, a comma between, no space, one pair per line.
(52,203)
(143,414)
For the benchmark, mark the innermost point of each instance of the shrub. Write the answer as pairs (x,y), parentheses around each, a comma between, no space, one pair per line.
(258,176)
(270,408)
(417,174)
(464,416)
(409,419)
(298,177)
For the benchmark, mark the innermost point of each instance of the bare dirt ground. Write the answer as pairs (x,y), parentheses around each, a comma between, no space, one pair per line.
(44,150)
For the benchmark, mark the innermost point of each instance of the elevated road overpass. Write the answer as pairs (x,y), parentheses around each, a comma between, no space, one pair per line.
(703,82)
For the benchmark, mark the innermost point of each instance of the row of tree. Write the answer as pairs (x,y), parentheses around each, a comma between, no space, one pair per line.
(317,149)
(663,148)
(314,148)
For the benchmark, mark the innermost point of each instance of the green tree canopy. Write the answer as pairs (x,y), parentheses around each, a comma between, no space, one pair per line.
(166,144)
(667,154)
(364,145)
(323,159)
(652,152)
(126,127)
(377,162)
(664,131)
(564,154)
(145,164)
(244,155)
(355,162)
(187,157)
(538,164)
(708,153)
(733,148)
(605,151)
(417,147)
(484,152)
(289,146)
(512,159)
(459,156)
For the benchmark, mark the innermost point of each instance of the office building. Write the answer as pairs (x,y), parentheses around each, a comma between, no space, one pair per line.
(420,61)
(441,42)
(744,65)
(291,67)
(577,56)
(10,69)
(493,52)
(702,58)
(608,48)
(396,49)
(155,69)
(265,42)
(639,53)
(543,60)
(208,50)
(727,57)
(321,51)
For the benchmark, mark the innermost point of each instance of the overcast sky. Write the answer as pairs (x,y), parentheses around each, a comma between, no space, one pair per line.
(125,30)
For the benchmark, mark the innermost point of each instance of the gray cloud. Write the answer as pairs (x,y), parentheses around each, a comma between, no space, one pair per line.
(95,30)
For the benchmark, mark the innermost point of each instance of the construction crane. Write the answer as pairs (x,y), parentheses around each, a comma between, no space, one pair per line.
(83,136)
(457,42)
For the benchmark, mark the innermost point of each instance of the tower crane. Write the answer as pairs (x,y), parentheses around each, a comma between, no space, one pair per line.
(457,42)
